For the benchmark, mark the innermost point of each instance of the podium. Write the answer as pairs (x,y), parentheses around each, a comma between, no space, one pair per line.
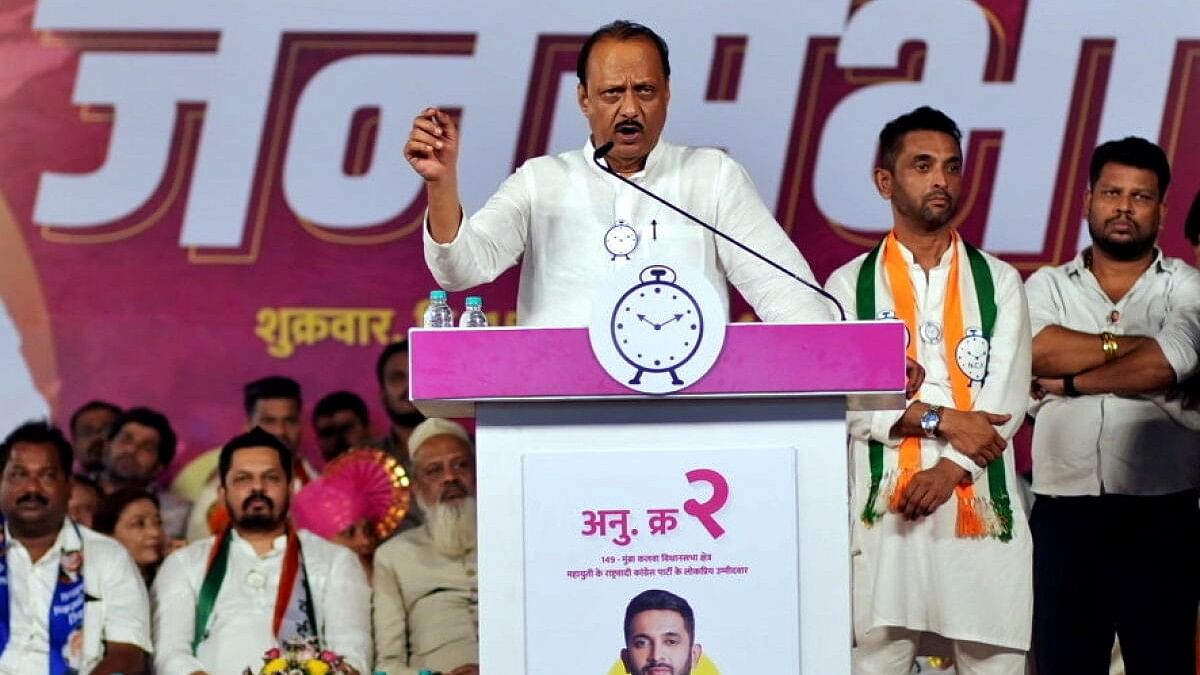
(732,494)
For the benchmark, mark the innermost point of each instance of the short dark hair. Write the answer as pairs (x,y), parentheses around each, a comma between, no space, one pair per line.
(255,438)
(110,508)
(148,417)
(1191,226)
(891,138)
(94,404)
(339,401)
(1136,152)
(39,432)
(275,386)
(661,600)
(621,30)
(398,347)
(88,482)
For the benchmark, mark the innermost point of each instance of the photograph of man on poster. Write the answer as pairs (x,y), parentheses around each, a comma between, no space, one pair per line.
(660,635)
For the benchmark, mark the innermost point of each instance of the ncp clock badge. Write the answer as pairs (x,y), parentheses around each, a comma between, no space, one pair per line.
(657,329)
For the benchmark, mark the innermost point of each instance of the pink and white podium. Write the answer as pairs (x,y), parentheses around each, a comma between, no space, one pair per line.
(732,494)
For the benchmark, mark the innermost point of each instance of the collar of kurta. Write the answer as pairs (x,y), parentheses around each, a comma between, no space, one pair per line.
(1082,261)
(652,159)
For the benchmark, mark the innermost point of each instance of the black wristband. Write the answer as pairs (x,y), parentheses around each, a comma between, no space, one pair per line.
(1069,387)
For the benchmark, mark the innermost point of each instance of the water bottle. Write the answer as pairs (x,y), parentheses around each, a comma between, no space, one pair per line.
(438,314)
(473,316)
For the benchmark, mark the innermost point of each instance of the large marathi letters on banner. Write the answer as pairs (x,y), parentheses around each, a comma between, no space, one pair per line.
(247,156)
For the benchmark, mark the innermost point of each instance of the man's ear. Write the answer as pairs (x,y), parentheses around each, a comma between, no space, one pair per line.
(883,182)
(582,97)
(696,654)
(626,660)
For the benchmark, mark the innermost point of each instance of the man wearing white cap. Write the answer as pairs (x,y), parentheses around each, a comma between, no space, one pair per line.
(426,578)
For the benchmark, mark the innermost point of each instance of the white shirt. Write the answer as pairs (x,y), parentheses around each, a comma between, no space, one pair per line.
(116,607)
(919,575)
(555,210)
(240,625)
(1122,444)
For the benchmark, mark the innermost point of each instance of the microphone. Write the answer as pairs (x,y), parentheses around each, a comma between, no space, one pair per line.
(604,149)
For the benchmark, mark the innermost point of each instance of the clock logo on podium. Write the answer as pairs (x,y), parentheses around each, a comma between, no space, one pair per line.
(660,331)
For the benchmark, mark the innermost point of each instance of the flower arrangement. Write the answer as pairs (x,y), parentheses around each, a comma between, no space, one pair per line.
(300,657)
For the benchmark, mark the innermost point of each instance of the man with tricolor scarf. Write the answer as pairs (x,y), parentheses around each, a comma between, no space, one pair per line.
(942,553)
(71,600)
(223,601)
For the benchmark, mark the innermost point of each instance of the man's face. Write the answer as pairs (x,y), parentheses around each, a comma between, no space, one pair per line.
(1124,210)
(659,644)
(925,184)
(88,436)
(132,455)
(445,470)
(83,503)
(256,490)
(339,432)
(280,417)
(34,488)
(625,100)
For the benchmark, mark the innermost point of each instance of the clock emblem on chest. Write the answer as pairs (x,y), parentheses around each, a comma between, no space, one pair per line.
(662,331)
(972,353)
(621,239)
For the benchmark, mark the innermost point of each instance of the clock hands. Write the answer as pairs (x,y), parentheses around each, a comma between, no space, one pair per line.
(658,326)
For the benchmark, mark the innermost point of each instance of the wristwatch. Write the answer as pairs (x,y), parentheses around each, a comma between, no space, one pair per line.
(931,420)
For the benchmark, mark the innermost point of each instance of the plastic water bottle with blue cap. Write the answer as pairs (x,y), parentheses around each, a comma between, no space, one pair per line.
(438,314)
(473,316)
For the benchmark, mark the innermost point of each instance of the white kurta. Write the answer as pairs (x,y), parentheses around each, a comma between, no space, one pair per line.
(554,211)
(240,625)
(919,575)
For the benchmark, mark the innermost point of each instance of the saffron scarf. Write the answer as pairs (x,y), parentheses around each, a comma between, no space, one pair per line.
(66,605)
(968,320)
(294,613)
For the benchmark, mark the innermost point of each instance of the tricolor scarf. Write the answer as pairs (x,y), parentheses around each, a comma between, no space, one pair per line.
(294,613)
(66,605)
(967,323)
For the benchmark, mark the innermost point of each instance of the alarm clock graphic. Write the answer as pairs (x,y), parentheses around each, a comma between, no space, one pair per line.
(972,353)
(657,326)
(621,239)
(659,331)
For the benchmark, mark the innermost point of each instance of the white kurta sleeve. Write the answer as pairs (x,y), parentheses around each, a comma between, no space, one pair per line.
(390,618)
(487,243)
(347,610)
(869,425)
(1179,338)
(174,615)
(774,296)
(127,619)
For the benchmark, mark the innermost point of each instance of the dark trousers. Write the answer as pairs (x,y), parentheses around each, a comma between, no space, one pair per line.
(1116,564)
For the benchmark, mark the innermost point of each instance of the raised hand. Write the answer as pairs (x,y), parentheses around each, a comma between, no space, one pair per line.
(432,147)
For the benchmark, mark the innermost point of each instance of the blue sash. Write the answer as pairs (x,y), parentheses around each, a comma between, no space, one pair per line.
(66,606)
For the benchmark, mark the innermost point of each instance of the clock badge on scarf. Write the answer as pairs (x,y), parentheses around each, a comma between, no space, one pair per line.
(972,354)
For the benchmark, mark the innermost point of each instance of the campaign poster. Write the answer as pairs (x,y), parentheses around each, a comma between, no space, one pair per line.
(654,535)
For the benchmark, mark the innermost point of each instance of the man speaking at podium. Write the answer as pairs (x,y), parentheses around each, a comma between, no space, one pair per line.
(573,222)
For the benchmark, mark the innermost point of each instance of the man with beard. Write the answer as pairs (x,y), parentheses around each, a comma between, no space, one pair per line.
(72,599)
(90,425)
(426,579)
(1116,526)
(941,552)
(141,445)
(341,421)
(660,635)
(572,224)
(221,602)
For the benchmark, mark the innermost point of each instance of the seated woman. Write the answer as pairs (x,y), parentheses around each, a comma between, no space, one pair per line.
(131,516)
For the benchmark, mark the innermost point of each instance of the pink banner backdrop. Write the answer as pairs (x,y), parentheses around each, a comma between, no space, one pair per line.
(195,196)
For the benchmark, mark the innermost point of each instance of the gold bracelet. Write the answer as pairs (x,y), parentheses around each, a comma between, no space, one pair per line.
(1109,343)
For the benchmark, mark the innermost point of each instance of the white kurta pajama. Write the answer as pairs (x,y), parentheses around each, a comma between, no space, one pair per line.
(919,575)
(554,211)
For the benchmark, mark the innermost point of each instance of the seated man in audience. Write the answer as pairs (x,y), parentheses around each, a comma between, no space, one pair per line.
(85,500)
(391,371)
(272,403)
(341,421)
(141,445)
(74,599)
(223,601)
(426,586)
(90,425)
